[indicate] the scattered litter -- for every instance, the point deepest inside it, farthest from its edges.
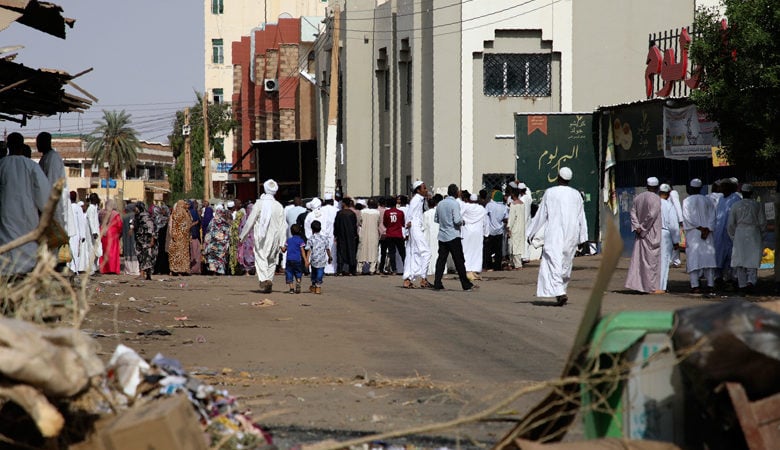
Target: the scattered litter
(282, 319)
(263, 303)
(181, 318)
(106, 282)
(131, 299)
(158, 298)
(200, 339)
(98, 289)
(182, 285)
(157, 332)
(143, 310)
(106, 304)
(128, 368)
(305, 304)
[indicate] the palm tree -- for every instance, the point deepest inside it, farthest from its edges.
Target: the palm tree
(113, 142)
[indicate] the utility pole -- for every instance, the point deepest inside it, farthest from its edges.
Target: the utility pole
(187, 152)
(331, 146)
(206, 149)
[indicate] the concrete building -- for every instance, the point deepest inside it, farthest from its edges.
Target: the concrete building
(147, 181)
(429, 89)
(226, 22)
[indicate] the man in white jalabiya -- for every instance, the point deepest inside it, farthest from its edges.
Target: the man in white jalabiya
(269, 227)
(516, 228)
(93, 234)
(670, 234)
(418, 254)
(746, 223)
(699, 222)
(316, 214)
(561, 217)
(329, 211)
(431, 229)
(473, 231)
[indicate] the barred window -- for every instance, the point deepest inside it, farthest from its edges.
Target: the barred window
(217, 7)
(517, 75)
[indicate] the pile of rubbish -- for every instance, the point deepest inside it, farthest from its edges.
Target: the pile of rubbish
(61, 395)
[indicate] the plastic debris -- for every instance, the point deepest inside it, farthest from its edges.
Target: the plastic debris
(127, 368)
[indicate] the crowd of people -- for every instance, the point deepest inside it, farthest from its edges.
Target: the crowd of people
(415, 237)
(722, 231)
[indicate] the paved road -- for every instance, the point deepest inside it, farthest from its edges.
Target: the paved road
(366, 354)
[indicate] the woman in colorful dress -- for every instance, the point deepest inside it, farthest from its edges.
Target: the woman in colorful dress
(112, 235)
(179, 232)
(145, 241)
(217, 242)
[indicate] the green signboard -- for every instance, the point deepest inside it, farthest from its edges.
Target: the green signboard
(547, 142)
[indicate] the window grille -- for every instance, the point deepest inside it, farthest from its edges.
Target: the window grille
(217, 7)
(517, 75)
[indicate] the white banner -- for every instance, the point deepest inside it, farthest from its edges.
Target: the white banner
(687, 133)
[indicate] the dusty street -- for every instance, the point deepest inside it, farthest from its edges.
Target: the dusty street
(366, 355)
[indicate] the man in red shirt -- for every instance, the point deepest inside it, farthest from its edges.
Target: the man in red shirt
(394, 221)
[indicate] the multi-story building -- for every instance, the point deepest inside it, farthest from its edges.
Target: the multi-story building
(146, 181)
(226, 22)
(429, 90)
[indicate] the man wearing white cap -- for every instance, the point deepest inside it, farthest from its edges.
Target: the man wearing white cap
(723, 243)
(644, 271)
(269, 227)
(516, 229)
(418, 254)
(473, 232)
(528, 200)
(327, 221)
(561, 217)
(670, 234)
(746, 223)
(698, 222)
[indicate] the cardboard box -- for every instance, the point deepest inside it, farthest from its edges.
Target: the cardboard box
(167, 424)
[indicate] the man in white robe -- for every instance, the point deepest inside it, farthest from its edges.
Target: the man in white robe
(528, 200)
(561, 217)
(329, 212)
(94, 233)
(431, 229)
(746, 223)
(85, 242)
(268, 225)
(674, 199)
(75, 232)
(473, 231)
(670, 234)
(418, 254)
(699, 222)
(516, 229)
(24, 191)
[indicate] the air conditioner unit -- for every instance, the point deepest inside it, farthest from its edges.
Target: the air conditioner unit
(271, 85)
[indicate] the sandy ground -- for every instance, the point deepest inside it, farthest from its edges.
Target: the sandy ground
(366, 355)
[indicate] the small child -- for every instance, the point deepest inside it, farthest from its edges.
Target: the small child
(319, 254)
(296, 258)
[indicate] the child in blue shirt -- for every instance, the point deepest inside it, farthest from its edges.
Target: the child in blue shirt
(296, 258)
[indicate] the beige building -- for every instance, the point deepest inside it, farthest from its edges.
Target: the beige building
(147, 181)
(226, 21)
(429, 89)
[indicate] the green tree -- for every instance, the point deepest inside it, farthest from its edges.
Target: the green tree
(220, 124)
(740, 69)
(115, 142)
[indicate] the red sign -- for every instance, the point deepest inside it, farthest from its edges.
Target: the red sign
(537, 123)
(669, 68)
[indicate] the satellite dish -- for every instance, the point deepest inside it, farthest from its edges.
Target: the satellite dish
(285, 15)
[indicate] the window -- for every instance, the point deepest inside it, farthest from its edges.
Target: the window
(217, 7)
(217, 52)
(219, 95)
(517, 75)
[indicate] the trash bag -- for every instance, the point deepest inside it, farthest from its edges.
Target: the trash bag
(734, 341)
(741, 343)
